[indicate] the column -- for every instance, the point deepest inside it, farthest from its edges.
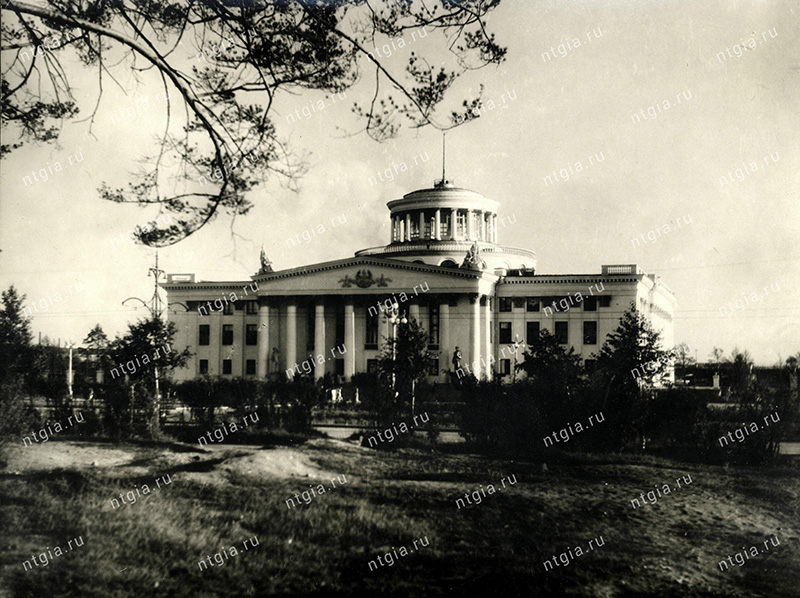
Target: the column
(437, 225)
(444, 333)
(453, 220)
(494, 228)
(475, 336)
(483, 226)
(422, 224)
(319, 340)
(413, 311)
(408, 226)
(470, 224)
(263, 340)
(488, 335)
(291, 337)
(349, 340)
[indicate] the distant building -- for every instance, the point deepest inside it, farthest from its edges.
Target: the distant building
(444, 267)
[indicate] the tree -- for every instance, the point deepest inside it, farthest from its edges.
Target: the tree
(551, 366)
(629, 362)
(554, 378)
(144, 354)
(15, 335)
(147, 346)
(683, 360)
(683, 356)
(405, 362)
(247, 54)
(96, 349)
(717, 355)
(16, 417)
(741, 377)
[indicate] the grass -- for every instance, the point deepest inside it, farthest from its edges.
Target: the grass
(152, 547)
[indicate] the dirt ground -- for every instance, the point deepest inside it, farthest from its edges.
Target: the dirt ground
(212, 462)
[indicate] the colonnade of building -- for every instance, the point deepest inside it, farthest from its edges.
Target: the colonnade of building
(475, 351)
(444, 224)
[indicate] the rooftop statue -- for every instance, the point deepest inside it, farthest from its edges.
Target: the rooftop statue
(266, 264)
(472, 260)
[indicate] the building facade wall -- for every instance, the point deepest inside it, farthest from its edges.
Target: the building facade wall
(482, 348)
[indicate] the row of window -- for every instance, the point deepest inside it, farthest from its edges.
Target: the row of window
(227, 367)
(250, 334)
(429, 225)
(536, 303)
(249, 307)
(371, 341)
(561, 333)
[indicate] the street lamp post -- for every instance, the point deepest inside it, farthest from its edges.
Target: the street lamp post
(155, 313)
(395, 318)
(69, 371)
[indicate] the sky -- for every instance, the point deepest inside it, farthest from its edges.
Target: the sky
(670, 133)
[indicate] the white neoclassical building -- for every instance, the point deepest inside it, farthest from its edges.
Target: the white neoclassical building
(444, 266)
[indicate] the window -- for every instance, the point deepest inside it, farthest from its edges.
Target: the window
(505, 333)
(444, 226)
(505, 303)
(227, 309)
(203, 366)
(433, 325)
(519, 302)
(371, 340)
(504, 367)
(227, 334)
(461, 226)
(251, 335)
(533, 304)
(227, 366)
(205, 333)
(433, 367)
(562, 331)
(251, 308)
(605, 301)
(532, 330)
(250, 367)
(415, 226)
(338, 365)
(590, 304)
(429, 224)
(372, 366)
(590, 333)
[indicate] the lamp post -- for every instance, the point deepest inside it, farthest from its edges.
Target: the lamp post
(155, 313)
(395, 318)
(69, 371)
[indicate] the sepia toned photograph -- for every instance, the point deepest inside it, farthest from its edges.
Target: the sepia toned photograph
(343, 298)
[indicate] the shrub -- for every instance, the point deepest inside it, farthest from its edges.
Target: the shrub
(17, 417)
